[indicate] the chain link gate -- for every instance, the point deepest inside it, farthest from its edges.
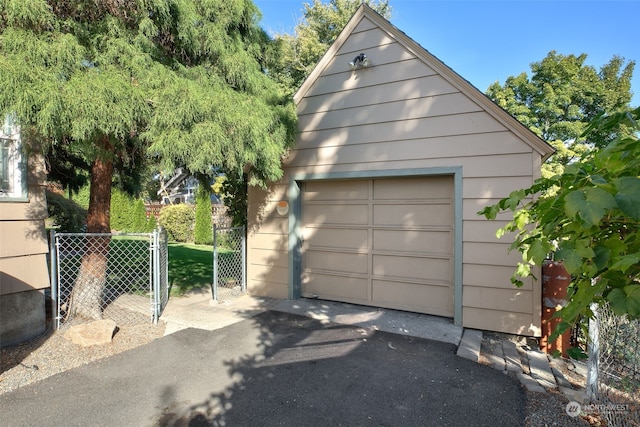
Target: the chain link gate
(118, 276)
(229, 263)
(613, 367)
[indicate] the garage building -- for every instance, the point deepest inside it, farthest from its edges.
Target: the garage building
(378, 206)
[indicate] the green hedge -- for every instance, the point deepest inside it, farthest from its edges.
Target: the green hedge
(127, 214)
(203, 234)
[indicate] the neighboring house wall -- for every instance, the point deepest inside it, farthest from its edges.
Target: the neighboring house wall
(406, 114)
(23, 253)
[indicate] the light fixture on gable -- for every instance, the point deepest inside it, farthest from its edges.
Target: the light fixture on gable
(360, 61)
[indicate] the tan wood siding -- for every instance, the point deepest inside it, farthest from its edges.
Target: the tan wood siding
(21, 238)
(388, 92)
(23, 273)
(365, 40)
(491, 276)
(433, 106)
(500, 320)
(518, 300)
(384, 55)
(267, 238)
(35, 208)
(405, 70)
(429, 127)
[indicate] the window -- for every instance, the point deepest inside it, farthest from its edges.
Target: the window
(13, 170)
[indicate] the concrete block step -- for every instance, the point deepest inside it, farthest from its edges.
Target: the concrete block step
(540, 369)
(470, 343)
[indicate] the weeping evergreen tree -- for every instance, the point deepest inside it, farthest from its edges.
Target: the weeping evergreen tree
(112, 82)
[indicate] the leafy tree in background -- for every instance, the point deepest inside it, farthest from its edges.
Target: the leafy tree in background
(592, 222)
(102, 80)
(233, 193)
(322, 23)
(560, 99)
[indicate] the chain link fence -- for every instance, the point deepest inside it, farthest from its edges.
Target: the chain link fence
(613, 379)
(229, 263)
(122, 277)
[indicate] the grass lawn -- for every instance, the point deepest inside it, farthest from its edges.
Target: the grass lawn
(190, 267)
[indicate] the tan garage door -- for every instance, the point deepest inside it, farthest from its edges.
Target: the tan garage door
(384, 242)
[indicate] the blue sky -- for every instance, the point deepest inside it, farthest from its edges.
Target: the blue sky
(487, 41)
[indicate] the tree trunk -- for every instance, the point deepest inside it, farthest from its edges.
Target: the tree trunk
(86, 298)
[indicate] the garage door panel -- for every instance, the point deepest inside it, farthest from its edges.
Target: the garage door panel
(413, 215)
(413, 268)
(336, 190)
(342, 238)
(339, 288)
(414, 297)
(413, 241)
(418, 188)
(336, 214)
(385, 242)
(337, 261)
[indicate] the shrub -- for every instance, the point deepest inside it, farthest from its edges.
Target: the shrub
(178, 221)
(151, 224)
(203, 234)
(66, 215)
(121, 211)
(139, 217)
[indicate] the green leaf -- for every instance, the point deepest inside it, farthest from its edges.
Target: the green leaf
(625, 301)
(523, 270)
(590, 204)
(597, 179)
(538, 251)
(576, 353)
(513, 200)
(628, 196)
(602, 255)
(571, 260)
(584, 249)
(625, 262)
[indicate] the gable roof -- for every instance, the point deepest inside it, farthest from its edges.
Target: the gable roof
(453, 78)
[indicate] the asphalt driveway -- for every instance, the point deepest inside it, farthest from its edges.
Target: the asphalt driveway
(274, 369)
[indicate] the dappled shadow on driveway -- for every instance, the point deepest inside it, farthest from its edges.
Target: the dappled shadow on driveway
(306, 372)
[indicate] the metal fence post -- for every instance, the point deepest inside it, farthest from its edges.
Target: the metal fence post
(244, 259)
(214, 283)
(155, 268)
(53, 272)
(165, 263)
(593, 347)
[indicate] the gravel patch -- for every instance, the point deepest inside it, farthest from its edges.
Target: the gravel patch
(53, 353)
(549, 409)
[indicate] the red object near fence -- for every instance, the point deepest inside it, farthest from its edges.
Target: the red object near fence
(555, 281)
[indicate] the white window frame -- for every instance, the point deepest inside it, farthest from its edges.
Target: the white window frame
(13, 164)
